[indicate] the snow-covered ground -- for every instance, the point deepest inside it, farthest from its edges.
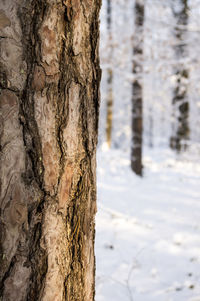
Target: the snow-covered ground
(148, 229)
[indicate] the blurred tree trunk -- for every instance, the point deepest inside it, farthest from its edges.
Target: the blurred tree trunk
(180, 101)
(137, 127)
(49, 100)
(109, 103)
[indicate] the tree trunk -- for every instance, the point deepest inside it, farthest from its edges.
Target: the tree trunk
(109, 99)
(180, 101)
(137, 127)
(49, 81)
(109, 115)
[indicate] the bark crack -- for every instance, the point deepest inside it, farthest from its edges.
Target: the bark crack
(7, 274)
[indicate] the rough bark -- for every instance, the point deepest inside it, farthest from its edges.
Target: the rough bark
(178, 140)
(137, 97)
(49, 100)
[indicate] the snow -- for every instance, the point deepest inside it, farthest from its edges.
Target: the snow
(147, 229)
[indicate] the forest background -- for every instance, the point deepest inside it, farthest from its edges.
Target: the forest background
(148, 241)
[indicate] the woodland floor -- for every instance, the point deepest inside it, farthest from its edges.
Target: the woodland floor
(148, 229)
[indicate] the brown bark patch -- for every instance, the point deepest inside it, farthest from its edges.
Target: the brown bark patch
(65, 185)
(38, 83)
(8, 98)
(50, 161)
(4, 21)
(49, 47)
(51, 70)
(50, 37)
(17, 213)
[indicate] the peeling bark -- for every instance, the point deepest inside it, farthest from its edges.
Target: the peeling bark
(49, 104)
